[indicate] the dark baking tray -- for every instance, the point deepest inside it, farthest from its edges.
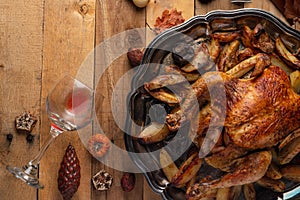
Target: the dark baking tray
(139, 101)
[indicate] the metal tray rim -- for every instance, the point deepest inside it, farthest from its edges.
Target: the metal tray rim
(189, 23)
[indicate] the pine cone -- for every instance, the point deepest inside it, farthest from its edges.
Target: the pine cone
(69, 174)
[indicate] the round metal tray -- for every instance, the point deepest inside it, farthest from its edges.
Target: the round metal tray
(140, 102)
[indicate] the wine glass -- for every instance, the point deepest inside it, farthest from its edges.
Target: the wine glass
(69, 107)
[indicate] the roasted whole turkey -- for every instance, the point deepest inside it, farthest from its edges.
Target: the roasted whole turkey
(237, 92)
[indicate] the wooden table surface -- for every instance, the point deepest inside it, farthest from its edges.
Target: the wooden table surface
(40, 41)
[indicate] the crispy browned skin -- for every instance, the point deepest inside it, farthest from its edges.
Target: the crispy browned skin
(260, 112)
(249, 169)
(263, 111)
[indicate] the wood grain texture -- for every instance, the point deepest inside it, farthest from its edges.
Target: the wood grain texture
(68, 39)
(266, 5)
(203, 8)
(40, 42)
(112, 19)
(20, 85)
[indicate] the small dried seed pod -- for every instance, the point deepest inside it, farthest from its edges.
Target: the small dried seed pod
(102, 180)
(9, 137)
(29, 138)
(25, 123)
(69, 174)
(128, 181)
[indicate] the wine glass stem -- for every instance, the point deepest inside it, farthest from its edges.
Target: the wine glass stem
(54, 132)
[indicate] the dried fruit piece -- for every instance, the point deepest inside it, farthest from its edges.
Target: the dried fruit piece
(135, 56)
(128, 181)
(168, 20)
(98, 145)
(25, 123)
(102, 180)
(69, 174)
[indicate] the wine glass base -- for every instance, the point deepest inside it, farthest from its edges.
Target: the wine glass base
(21, 174)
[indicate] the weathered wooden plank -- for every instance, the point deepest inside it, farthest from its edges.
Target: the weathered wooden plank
(156, 7)
(149, 194)
(20, 84)
(266, 5)
(68, 39)
(203, 8)
(112, 19)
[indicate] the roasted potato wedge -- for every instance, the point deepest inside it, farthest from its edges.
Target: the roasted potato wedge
(214, 49)
(155, 132)
(232, 193)
(187, 170)
(275, 185)
(287, 153)
(292, 60)
(168, 166)
(247, 35)
(291, 172)
(191, 182)
(259, 61)
(275, 60)
(173, 69)
(295, 80)
(228, 56)
(289, 138)
(189, 68)
(165, 96)
(249, 192)
(273, 172)
(164, 81)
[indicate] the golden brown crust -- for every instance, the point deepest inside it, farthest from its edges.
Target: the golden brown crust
(265, 111)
